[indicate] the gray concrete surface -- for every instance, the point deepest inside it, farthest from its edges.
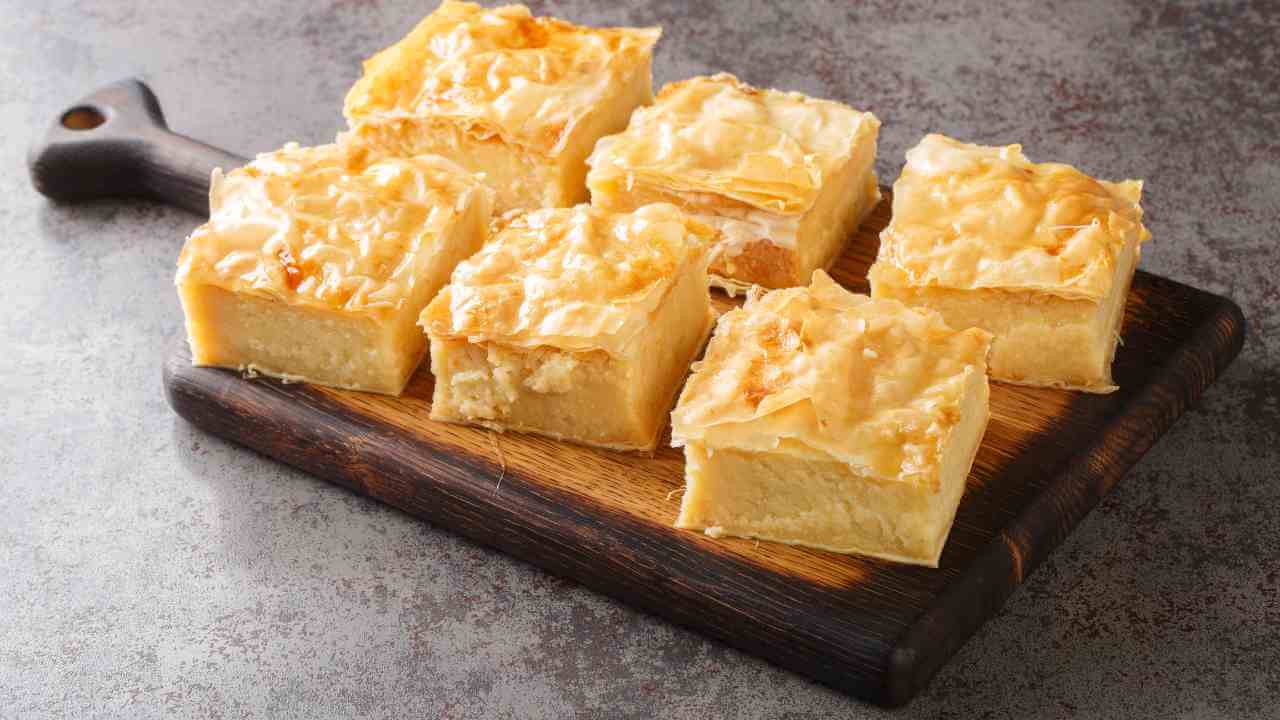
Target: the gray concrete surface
(150, 570)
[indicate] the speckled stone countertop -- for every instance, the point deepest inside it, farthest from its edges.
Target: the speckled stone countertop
(150, 570)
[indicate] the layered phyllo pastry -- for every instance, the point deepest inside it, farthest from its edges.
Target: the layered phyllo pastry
(316, 262)
(575, 323)
(521, 99)
(832, 420)
(785, 178)
(1038, 254)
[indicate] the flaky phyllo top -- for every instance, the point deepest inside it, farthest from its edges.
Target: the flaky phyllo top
(327, 226)
(498, 73)
(577, 278)
(969, 216)
(821, 372)
(766, 149)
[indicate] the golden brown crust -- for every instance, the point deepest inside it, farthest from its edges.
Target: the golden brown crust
(767, 149)
(820, 370)
(499, 73)
(757, 262)
(769, 170)
(571, 278)
(329, 226)
(968, 216)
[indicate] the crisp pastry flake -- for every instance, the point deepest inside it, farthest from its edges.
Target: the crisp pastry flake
(575, 278)
(499, 73)
(766, 149)
(821, 370)
(328, 226)
(970, 216)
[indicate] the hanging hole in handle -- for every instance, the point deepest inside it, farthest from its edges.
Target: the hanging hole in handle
(82, 118)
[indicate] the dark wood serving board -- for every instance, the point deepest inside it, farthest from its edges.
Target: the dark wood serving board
(875, 629)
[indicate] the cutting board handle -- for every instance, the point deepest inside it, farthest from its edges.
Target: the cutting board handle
(115, 143)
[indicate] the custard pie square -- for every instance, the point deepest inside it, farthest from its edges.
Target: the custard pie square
(785, 178)
(575, 323)
(832, 420)
(1038, 254)
(316, 262)
(521, 99)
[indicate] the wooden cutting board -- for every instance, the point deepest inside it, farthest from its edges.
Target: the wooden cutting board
(871, 628)
(875, 629)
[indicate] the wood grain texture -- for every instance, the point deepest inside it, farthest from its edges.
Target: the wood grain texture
(875, 629)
